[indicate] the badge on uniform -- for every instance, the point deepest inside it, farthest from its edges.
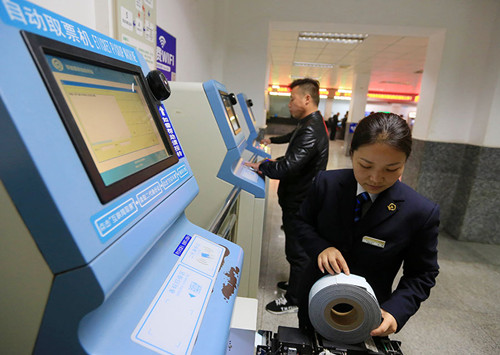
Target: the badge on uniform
(373, 241)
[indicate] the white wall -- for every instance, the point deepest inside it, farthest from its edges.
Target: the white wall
(460, 52)
(340, 106)
(82, 11)
(194, 25)
(397, 108)
(488, 108)
(492, 134)
(460, 82)
(430, 76)
(192, 22)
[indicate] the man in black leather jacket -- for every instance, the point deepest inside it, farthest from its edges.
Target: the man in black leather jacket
(306, 155)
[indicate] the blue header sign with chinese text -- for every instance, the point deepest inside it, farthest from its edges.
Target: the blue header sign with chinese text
(27, 16)
(165, 53)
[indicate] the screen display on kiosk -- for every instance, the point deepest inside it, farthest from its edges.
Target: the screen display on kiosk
(233, 119)
(109, 113)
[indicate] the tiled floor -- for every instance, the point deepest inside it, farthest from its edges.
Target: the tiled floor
(462, 315)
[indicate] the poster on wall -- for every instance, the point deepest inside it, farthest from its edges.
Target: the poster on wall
(136, 26)
(165, 53)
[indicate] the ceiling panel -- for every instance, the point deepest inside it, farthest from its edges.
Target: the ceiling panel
(393, 61)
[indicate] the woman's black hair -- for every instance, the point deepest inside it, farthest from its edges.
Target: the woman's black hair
(380, 127)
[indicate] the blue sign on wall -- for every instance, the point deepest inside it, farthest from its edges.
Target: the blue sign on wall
(352, 127)
(165, 53)
(36, 19)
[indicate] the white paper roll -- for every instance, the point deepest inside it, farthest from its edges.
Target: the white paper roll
(343, 308)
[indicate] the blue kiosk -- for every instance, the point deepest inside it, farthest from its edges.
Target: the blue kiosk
(97, 255)
(213, 140)
(253, 137)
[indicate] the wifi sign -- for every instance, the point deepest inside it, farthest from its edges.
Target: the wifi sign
(165, 53)
(162, 41)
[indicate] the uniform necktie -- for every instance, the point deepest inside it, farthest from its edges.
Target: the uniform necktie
(360, 200)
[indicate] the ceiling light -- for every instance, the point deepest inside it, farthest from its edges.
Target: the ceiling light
(347, 38)
(394, 82)
(293, 77)
(315, 65)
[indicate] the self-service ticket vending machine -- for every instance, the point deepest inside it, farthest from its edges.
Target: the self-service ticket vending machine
(253, 137)
(96, 253)
(206, 122)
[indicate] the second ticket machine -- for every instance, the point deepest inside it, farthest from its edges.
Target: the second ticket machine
(253, 137)
(205, 119)
(96, 253)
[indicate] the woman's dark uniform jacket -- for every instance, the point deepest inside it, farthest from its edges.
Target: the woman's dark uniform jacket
(405, 220)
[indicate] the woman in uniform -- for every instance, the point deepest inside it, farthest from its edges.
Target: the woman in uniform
(366, 222)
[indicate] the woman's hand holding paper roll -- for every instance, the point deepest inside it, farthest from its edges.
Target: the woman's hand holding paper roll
(332, 261)
(388, 325)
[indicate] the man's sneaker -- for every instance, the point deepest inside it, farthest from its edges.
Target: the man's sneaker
(281, 306)
(283, 285)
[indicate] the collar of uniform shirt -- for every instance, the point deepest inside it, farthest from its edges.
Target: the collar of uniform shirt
(361, 190)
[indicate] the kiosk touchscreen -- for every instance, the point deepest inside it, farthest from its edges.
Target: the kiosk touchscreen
(213, 140)
(97, 255)
(253, 137)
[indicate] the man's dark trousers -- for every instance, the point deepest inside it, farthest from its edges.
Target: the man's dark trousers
(295, 254)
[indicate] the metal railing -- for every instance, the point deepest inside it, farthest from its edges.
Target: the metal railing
(232, 198)
(221, 216)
